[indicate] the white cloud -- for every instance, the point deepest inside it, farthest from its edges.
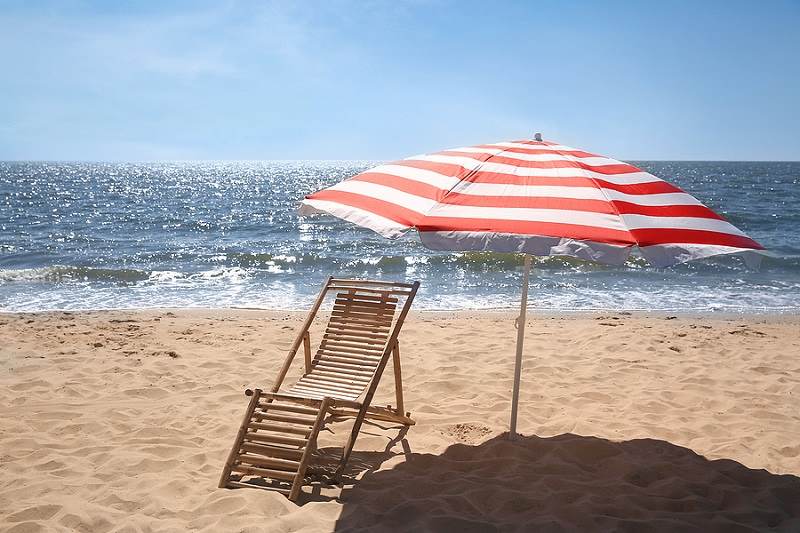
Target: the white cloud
(222, 40)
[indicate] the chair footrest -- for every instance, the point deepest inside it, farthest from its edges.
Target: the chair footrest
(274, 444)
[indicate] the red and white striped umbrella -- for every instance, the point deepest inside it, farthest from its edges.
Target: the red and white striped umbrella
(536, 197)
(533, 197)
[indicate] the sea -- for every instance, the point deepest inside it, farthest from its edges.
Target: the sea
(87, 236)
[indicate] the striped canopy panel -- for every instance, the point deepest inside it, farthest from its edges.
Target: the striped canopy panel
(536, 197)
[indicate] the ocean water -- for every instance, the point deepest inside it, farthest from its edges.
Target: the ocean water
(227, 234)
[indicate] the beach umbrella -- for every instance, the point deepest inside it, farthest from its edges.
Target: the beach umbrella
(533, 197)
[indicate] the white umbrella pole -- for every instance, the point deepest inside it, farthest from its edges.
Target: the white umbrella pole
(523, 308)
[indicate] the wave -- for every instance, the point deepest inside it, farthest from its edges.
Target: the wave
(786, 260)
(61, 273)
(482, 261)
(237, 266)
(67, 274)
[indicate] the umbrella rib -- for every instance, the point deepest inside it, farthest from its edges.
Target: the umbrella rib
(603, 192)
(469, 173)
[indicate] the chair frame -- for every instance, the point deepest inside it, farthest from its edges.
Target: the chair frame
(339, 408)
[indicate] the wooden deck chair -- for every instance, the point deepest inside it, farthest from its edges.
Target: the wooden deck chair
(279, 431)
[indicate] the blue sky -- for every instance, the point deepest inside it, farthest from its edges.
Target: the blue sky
(384, 80)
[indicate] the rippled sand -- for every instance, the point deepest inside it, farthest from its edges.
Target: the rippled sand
(121, 421)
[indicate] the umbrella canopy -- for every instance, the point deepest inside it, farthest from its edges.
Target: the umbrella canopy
(535, 197)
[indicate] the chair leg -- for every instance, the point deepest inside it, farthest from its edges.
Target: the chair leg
(351, 442)
(297, 484)
(398, 379)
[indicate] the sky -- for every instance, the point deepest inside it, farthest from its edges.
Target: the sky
(381, 80)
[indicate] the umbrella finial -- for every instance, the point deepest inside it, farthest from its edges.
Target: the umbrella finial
(537, 137)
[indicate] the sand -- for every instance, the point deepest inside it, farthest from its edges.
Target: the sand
(121, 421)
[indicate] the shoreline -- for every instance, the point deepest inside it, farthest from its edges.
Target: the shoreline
(771, 314)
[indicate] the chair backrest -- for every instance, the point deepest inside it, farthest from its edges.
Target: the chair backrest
(358, 339)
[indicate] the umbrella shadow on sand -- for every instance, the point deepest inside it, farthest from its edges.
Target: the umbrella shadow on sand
(567, 483)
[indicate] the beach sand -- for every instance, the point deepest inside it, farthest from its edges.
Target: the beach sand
(121, 421)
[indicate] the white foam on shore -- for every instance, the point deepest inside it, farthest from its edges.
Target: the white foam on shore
(231, 288)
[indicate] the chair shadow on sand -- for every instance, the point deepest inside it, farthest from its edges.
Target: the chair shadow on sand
(563, 483)
(360, 464)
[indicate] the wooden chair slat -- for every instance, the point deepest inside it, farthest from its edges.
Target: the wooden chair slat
(367, 303)
(264, 472)
(357, 343)
(270, 462)
(367, 361)
(299, 409)
(353, 337)
(336, 326)
(364, 307)
(331, 390)
(318, 383)
(242, 485)
(339, 374)
(328, 364)
(325, 391)
(272, 417)
(275, 439)
(352, 319)
(340, 384)
(331, 346)
(281, 428)
(273, 451)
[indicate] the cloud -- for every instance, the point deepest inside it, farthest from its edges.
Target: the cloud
(221, 40)
(92, 83)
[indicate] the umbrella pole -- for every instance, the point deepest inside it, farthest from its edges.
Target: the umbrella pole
(523, 308)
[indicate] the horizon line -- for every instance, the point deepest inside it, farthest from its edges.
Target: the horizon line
(358, 160)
